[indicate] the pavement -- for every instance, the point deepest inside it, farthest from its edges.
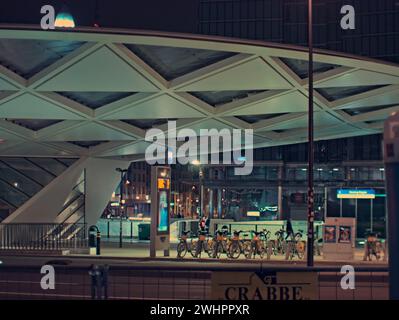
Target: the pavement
(137, 254)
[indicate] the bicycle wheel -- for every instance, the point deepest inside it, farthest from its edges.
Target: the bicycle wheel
(261, 250)
(274, 247)
(300, 249)
(193, 248)
(246, 245)
(282, 247)
(217, 250)
(234, 250)
(210, 248)
(225, 248)
(198, 249)
(181, 250)
(248, 250)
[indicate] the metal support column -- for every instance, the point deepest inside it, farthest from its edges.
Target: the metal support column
(219, 203)
(310, 238)
(280, 201)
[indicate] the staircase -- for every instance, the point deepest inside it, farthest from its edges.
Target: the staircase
(22, 178)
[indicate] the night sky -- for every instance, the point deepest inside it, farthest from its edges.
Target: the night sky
(164, 15)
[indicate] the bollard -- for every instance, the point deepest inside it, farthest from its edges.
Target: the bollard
(94, 240)
(98, 243)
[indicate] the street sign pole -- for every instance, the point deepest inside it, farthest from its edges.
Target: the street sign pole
(391, 159)
(310, 240)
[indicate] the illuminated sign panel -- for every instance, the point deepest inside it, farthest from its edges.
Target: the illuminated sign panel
(163, 183)
(253, 213)
(356, 194)
(163, 188)
(160, 208)
(163, 217)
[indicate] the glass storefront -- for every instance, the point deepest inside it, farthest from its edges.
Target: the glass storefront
(284, 186)
(277, 186)
(370, 214)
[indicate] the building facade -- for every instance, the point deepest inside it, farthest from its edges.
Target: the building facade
(100, 122)
(277, 185)
(376, 33)
(344, 163)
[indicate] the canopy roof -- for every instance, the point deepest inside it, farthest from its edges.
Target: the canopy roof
(95, 91)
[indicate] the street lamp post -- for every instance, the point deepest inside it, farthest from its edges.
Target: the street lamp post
(310, 239)
(201, 188)
(121, 204)
(201, 174)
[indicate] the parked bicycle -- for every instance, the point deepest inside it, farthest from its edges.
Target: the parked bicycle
(237, 245)
(373, 247)
(201, 245)
(297, 246)
(278, 245)
(183, 246)
(220, 244)
(256, 246)
(265, 237)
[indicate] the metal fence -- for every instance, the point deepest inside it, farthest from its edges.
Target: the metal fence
(174, 283)
(31, 236)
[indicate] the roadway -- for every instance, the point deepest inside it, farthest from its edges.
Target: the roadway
(163, 279)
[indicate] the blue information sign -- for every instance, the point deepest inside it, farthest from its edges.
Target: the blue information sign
(356, 194)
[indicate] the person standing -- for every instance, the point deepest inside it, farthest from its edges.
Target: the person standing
(289, 230)
(202, 223)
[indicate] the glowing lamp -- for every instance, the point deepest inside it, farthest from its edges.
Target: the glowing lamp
(64, 20)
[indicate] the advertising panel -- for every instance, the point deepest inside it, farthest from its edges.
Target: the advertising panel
(339, 238)
(163, 217)
(265, 286)
(160, 208)
(330, 234)
(345, 233)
